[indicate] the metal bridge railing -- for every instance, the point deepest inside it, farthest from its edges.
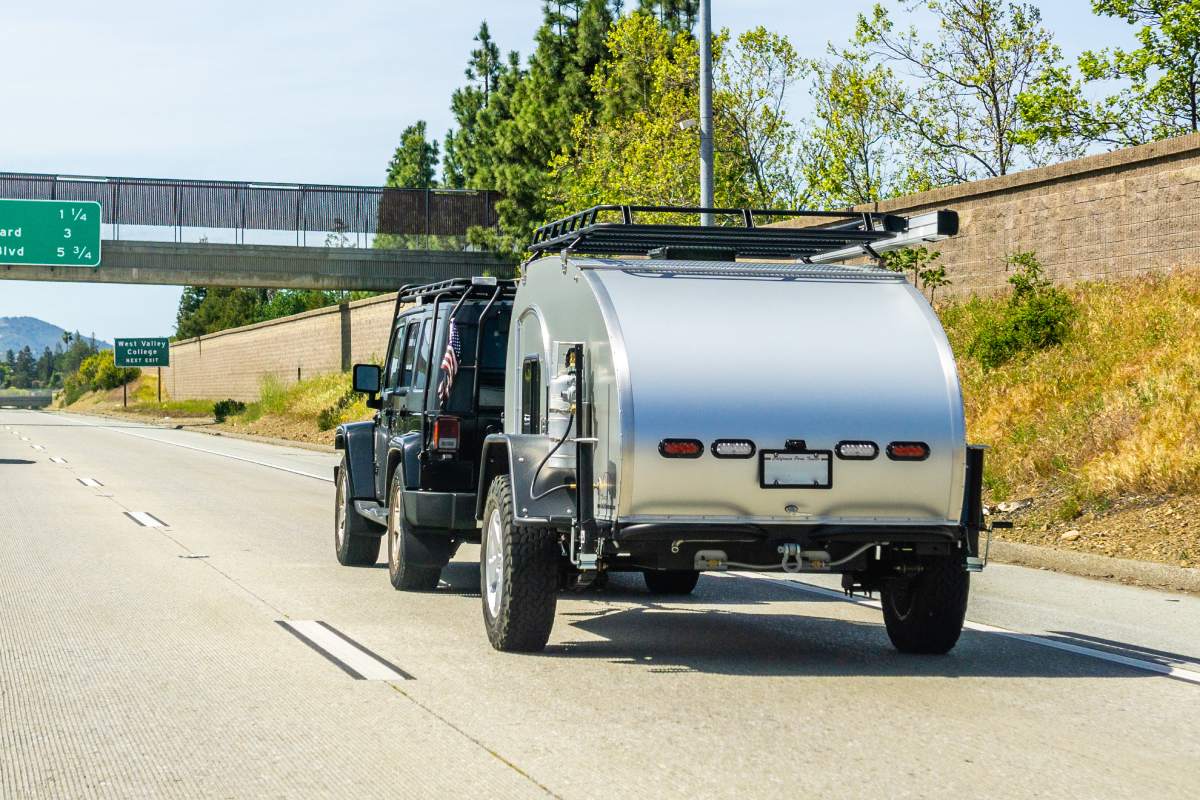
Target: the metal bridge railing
(303, 208)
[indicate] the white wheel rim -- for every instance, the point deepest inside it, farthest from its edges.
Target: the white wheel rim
(340, 527)
(494, 567)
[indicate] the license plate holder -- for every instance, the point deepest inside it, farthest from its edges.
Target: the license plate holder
(795, 469)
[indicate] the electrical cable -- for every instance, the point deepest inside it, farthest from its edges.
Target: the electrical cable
(537, 472)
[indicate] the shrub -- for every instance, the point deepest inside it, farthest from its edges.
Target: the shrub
(99, 371)
(223, 409)
(919, 263)
(1038, 315)
(329, 418)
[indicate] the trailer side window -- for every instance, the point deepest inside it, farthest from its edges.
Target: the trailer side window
(531, 393)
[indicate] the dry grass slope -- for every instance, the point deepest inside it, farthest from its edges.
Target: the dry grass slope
(1102, 432)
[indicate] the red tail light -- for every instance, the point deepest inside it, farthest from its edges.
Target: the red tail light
(908, 451)
(680, 448)
(445, 433)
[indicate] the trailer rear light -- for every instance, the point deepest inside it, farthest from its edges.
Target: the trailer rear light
(681, 448)
(857, 451)
(445, 433)
(733, 448)
(908, 451)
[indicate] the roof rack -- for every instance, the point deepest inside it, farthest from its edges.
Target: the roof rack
(454, 287)
(849, 235)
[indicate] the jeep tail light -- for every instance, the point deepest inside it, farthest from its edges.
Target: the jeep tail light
(681, 448)
(857, 451)
(445, 433)
(733, 448)
(908, 451)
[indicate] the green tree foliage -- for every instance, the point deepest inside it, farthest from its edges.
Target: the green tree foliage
(641, 144)
(1160, 81)
(962, 110)
(855, 150)
(22, 370)
(414, 164)
(677, 16)
(463, 148)
(97, 372)
(753, 79)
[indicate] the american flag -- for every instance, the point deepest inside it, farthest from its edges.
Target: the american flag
(450, 363)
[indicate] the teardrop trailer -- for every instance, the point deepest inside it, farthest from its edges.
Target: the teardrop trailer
(731, 397)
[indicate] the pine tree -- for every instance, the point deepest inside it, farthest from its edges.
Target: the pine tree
(414, 164)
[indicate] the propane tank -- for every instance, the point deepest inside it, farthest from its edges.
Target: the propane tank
(560, 408)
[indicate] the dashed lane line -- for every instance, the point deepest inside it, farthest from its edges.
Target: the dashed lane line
(37, 447)
(91, 483)
(118, 429)
(348, 655)
(145, 519)
(57, 460)
(1166, 670)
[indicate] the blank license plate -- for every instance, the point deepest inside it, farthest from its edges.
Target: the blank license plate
(806, 469)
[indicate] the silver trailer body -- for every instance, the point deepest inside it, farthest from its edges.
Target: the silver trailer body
(766, 352)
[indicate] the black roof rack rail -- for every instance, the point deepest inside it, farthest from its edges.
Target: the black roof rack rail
(851, 232)
(456, 286)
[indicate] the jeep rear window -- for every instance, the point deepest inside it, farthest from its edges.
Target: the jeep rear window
(492, 355)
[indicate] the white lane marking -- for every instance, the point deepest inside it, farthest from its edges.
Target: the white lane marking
(90, 482)
(354, 659)
(118, 429)
(1191, 676)
(37, 447)
(24, 438)
(146, 519)
(58, 460)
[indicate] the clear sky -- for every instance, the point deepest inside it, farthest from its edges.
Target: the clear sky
(280, 90)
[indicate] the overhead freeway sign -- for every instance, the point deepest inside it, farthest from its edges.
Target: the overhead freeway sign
(51, 233)
(142, 352)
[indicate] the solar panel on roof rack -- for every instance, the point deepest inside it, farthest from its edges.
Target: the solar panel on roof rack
(585, 232)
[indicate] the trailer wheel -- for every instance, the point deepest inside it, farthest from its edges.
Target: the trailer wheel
(925, 615)
(413, 564)
(355, 541)
(518, 576)
(671, 581)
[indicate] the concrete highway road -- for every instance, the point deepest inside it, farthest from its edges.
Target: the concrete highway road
(173, 624)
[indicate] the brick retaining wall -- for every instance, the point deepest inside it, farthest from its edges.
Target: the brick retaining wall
(1115, 215)
(232, 363)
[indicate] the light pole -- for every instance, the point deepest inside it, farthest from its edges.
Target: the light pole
(706, 112)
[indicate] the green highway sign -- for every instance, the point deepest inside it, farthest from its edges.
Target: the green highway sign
(50, 233)
(142, 352)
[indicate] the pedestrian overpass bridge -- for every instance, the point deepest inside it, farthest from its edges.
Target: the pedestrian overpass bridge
(306, 236)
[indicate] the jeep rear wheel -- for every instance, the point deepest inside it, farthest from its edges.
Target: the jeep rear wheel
(414, 565)
(355, 541)
(925, 614)
(518, 576)
(671, 581)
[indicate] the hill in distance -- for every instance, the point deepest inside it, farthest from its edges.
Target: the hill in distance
(16, 332)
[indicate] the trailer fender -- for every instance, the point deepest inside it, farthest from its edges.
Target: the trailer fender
(542, 495)
(357, 439)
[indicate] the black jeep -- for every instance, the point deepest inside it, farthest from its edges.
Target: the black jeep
(413, 470)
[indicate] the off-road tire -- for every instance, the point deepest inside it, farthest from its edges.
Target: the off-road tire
(414, 565)
(925, 615)
(355, 540)
(528, 577)
(671, 581)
